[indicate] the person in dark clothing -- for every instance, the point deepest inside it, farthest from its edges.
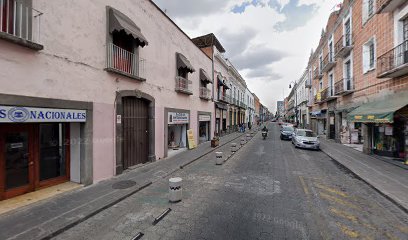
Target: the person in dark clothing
(265, 129)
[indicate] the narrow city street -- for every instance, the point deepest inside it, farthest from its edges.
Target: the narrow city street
(267, 190)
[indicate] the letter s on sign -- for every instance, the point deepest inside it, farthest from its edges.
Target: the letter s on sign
(2, 113)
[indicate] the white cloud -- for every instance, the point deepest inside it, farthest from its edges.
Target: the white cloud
(255, 28)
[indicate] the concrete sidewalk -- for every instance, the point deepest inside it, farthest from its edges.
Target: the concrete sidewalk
(388, 179)
(50, 217)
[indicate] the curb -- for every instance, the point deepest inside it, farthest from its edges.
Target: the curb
(399, 205)
(210, 151)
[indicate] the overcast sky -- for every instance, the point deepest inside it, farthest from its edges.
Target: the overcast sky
(269, 41)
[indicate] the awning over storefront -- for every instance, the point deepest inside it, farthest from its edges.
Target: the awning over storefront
(221, 106)
(204, 76)
(119, 21)
(222, 82)
(379, 111)
(182, 62)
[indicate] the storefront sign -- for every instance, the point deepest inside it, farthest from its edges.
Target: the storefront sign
(388, 131)
(204, 118)
(178, 118)
(119, 119)
(191, 140)
(9, 114)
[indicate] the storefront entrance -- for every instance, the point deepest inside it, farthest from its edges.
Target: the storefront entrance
(32, 156)
(135, 132)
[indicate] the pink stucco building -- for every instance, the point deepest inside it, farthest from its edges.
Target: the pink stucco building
(90, 88)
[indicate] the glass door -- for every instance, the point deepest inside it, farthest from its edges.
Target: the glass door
(16, 160)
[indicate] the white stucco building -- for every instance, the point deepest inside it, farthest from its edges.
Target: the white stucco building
(97, 94)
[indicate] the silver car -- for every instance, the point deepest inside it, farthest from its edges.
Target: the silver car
(305, 138)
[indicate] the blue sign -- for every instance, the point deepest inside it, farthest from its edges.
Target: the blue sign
(28, 114)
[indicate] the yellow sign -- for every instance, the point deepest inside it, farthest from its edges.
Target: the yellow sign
(319, 96)
(370, 117)
(358, 117)
(191, 140)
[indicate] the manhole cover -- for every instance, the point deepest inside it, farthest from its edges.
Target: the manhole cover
(123, 184)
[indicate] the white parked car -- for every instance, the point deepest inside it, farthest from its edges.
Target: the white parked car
(305, 138)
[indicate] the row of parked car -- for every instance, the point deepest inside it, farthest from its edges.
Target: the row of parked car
(301, 138)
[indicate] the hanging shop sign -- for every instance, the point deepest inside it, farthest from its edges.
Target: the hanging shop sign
(10, 114)
(178, 118)
(191, 140)
(204, 118)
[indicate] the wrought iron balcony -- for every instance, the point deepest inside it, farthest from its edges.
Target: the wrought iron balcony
(317, 74)
(205, 93)
(183, 86)
(224, 98)
(386, 6)
(328, 62)
(344, 86)
(394, 63)
(20, 24)
(344, 46)
(242, 105)
(126, 63)
(328, 94)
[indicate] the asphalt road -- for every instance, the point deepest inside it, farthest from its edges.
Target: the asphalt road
(267, 190)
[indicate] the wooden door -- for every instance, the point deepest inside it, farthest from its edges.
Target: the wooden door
(17, 155)
(135, 131)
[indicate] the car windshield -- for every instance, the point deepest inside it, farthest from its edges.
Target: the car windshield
(303, 133)
(288, 129)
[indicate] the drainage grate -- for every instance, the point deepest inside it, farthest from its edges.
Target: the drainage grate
(123, 184)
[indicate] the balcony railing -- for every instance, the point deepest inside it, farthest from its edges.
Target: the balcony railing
(386, 6)
(183, 85)
(317, 74)
(205, 93)
(344, 86)
(124, 62)
(394, 63)
(344, 46)
(328, 94)
(20, 23)
(224, 98)
(328, 62)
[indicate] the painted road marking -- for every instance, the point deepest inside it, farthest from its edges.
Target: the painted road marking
(339, 201)
(302, 181)
(348, 232)
(331, 190)
(343, 214)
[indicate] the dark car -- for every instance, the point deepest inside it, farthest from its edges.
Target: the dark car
(286, 133)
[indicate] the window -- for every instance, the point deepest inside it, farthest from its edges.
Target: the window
(320, 63)
(331, 84)
(320, 84)
(347, 33)
(369, 56)
(368, 9)
(405, 28)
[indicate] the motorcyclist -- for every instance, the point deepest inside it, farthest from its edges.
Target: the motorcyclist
(264, 129)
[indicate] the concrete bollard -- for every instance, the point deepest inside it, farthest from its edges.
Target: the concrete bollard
(233, 147)
(175, 189)
(248, 137)
(218, 158)
(243, 141)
